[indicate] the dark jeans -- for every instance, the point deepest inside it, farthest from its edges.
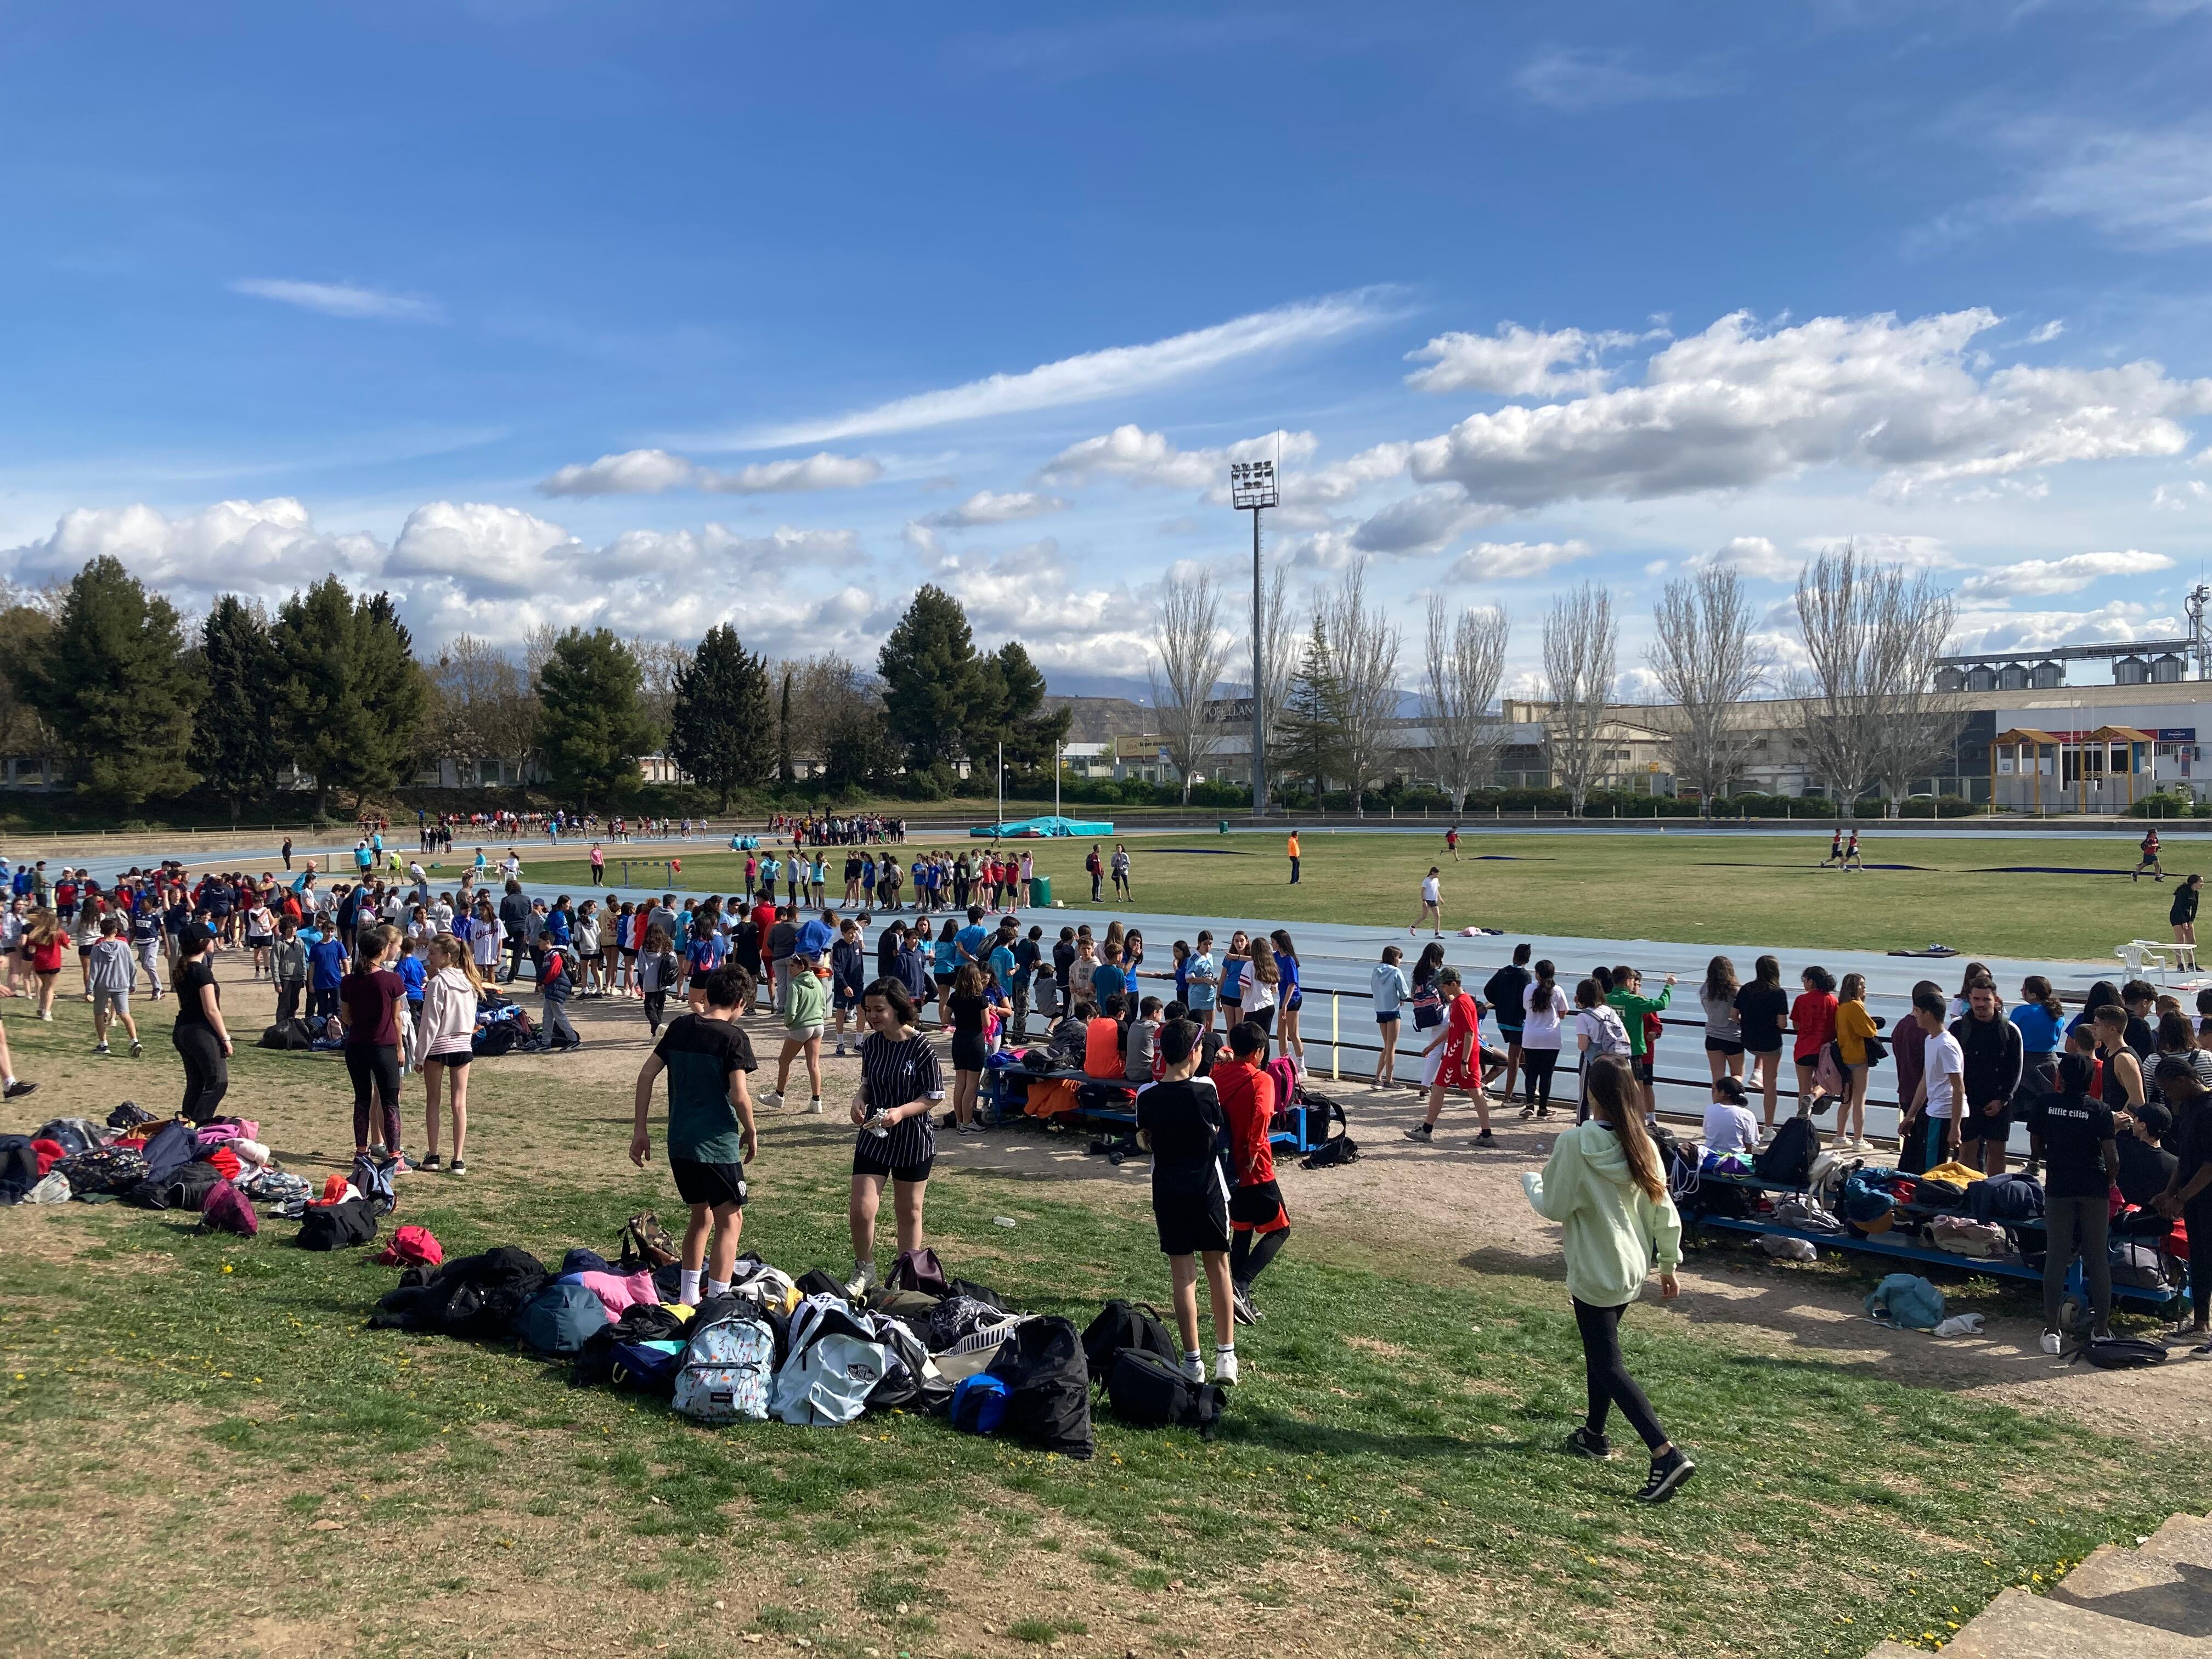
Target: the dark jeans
(2073, 1224)
(375, 1071)
(2197, 1214)
(207, 1074)
(287, 1001)
(322, 1005)
(1610, 1385)
(1294, 872)
(1537, 1065)
(654, 1002)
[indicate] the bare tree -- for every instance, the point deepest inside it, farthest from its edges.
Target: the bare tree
(1194, 652)
(1283, 646)
(1466, 660)
(1364, 645)
(1580, 637)
(1870, 710)
(658, 662)
(483, 708)
(1707, 665)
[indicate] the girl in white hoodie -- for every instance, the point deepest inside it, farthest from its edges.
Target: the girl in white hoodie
(1605, 1183)
(443, 1036)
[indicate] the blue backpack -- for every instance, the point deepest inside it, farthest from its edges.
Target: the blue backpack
(560, 1319)
(647, 1367)
(979, 1404)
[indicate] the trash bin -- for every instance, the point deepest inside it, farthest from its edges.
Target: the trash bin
(1041, 891)
(1223, 827)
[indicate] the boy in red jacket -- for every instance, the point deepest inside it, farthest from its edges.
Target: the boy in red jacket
(1256, 1215)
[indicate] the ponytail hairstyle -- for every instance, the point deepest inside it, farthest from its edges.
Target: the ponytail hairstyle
(2037, 990)
(369, 946)
(1977, 971)
(1731, 1090)
(1720, 980)
(1612, 1088)
(1766, 973)
(1820, 978)
(1545, 987)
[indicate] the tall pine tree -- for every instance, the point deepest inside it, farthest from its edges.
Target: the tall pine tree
(1009, 707)
(785, 773)
(112, 684)
(719, 723)
(929, 671)
(1314, 717)
(591, 724)
(350, 696)
(234, 747)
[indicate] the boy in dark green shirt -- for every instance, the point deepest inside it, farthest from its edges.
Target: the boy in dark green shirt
(710, 1125)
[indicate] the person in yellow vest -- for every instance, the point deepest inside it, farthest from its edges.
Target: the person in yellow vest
(1294, 858)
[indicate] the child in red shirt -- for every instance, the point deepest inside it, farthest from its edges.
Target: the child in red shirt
(1256, 1215)
(1814, 1018)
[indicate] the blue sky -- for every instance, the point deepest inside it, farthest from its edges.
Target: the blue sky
(660, 314)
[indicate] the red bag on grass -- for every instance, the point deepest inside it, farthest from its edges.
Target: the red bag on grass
(412, 1246)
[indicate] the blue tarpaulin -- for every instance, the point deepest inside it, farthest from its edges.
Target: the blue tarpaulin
(1030, 829)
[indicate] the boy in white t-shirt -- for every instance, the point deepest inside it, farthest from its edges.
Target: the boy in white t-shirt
(1942, 1084)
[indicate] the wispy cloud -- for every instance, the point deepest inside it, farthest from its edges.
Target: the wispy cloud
(988, 507)
(342, 300)
(1095, 374)
(2148, 186)
(1573, 80)
(653, 471)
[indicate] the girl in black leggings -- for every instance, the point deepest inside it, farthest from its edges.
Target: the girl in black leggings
(371, 995)
(202, 1042)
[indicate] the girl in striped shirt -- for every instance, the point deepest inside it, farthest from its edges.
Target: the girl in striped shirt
(900, 1087)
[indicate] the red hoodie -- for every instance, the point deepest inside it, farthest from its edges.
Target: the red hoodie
(1247, 1100)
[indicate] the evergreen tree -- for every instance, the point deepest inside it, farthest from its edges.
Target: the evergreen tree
(591, 724)
(785, 772)
(350, 698)
(112, 682)
(718, 724)
(232, 732)
(929, 671)
(1314, 717)
(1008, 708)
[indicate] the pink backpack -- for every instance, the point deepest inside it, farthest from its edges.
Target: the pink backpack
(226, 1210)
(1285, 1071)
(412, 1246)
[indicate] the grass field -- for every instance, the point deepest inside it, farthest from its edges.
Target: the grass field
(205, 1449)
(1765, 889)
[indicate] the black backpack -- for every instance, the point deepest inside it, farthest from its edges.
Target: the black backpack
(1149, 1392)
(1338, 1148)
(1125, 1325)
(183, 1188)
(337, 1226)
(2120, 1353)
(1787, 1160)
(1048, 1387)
(288, 1034)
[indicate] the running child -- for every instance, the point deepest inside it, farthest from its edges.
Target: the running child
(711, 1137)
(1432, 902)
(2149, 859)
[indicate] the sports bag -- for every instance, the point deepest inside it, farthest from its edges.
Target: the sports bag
(412, 1246)
(372, 1178)
(337, 1226)
(919, 1270)
(1339, 1147)
(1787, 1160)
(728, 1368)
(646, 1243)
(1048, 1386)
(287, 1034)
(647, 1367)
(2140, 1267)
(103, 1170)
(1123, 1326)
(169, 1148)
(1146, 1391)
(498, 1038)
(979, 1404)
(226, 1210)
(560, 1319)
(185, 1187)
(2119, 1354)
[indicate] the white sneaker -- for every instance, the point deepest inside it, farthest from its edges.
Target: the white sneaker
(2050, 1342)
(771, 1098)
(814, 1106)
(1224, 1365)
(862, 1281)
(1194, 1368)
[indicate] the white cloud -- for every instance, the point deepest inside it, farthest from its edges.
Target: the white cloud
(651, 471)
(1138, 457)
(1339, 479)
(1421, 522)
(1735, 406)
(1515, 562)
(1115, 372)
(2117, 622)
(341, 300)
(1573, 80)
(985, 507)
(2148, 186)
(2044, 333)
(1751, 555)
(1514, 363)
(483, 548)
(2179, 497)
(262, 548)
(2041, 578)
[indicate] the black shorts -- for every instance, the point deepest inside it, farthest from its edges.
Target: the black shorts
(1259, 1205)
(715, 1184)
(1511, 1034)
(1386, 1020)
(1262, 1017)
(1980, 1125)
(1722, 1046)
(971, 1052)
(456, 1060)
(865, 1163)
(1758, 1053)
(1639, 1067)
(1190, 1225)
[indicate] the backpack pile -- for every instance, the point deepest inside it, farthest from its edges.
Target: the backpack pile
(1048, 1386)
(1131, 1354)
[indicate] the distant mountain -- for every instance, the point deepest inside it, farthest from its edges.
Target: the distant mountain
(1099, 685)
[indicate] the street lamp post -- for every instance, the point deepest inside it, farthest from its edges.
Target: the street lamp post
(1252, 488)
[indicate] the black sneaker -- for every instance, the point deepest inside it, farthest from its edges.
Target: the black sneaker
(429, 1162)
(1240, 1300)
(1421, 1131)
(17, 1090)
(457, 1168)
(1666, 1476)
(1583, 1444)
(1486, 1139)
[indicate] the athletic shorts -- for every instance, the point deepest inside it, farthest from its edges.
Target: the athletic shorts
(867, 1163)
(1258, 1208)
(1722, 1046)
(1511, 1034)
(844, 1001)
(1979, 1126)
(456, 1060)
(708, 1184)
(971, 1052)
(1639, 1067)
(112, 1002)
(1191, 1224)
(1386, 1020)
(1489, 1056)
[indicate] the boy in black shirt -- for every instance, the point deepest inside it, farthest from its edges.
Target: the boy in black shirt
(2072, 1133)
(710, 1126)
(1179, 1122)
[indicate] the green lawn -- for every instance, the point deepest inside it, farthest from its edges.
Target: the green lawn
(196, 1428)
(1763, 889)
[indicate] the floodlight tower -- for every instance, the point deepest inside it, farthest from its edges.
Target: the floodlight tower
(1252, 490)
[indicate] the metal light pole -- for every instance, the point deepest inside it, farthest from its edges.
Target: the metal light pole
(1252, 488)
(999, 822)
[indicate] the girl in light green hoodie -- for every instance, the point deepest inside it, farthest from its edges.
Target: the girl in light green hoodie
(1605, 1184)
